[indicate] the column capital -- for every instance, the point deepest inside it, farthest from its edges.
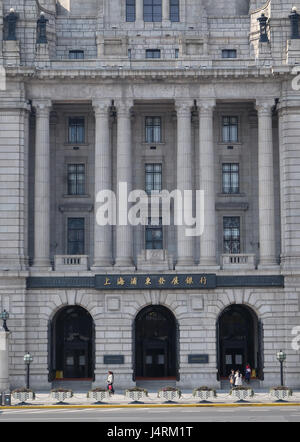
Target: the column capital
(183, 107)
(124, 107)
(264, 105)
(206, 106)
(101, 107)
(42, 106)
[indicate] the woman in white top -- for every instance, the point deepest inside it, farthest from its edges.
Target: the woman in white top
(238, 379)
(110, 382)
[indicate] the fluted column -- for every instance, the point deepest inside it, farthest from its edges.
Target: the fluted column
(124, 236)
(185, 249)
(207, 182)
(42, 185)
(266, 183)
(103, 181)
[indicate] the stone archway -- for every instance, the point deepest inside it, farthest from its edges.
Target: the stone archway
(156, 343)
(72, 342)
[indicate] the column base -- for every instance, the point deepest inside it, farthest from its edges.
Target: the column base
(125, 264)
(268, 266)
(41, 268)
(187, 263)
(208, 264)
(101, 264)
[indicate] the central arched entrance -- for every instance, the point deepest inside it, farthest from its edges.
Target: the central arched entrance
(156, 349)
(239, 340)
(72, 344)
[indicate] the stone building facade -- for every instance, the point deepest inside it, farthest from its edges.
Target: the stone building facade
(188, 94)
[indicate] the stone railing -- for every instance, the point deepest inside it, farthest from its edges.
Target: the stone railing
(71, 262)
(238, 261)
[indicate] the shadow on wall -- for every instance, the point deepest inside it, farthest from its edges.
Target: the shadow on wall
(77, 7)
(219, 8)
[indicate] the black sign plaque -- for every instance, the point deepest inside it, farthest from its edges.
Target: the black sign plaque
(113, 359)
(198, 359)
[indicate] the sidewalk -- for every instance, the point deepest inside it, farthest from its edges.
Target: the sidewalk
(119, 400)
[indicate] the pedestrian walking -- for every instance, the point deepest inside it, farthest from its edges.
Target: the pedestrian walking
(110, 382)
(248, 373)
(232, 379)
(238, 379)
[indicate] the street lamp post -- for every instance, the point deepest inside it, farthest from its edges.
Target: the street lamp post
(281, 357)
(28, 359)
(4, 316)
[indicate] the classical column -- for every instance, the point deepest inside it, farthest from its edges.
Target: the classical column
(139, 10)
(124, 236)
(42, 186)
(207, 182)
(4, 356)
(266, 183)
(185, 249)
(166, 11)
(103, 181)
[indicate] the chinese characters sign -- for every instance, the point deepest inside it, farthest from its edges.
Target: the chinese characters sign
(131, 282)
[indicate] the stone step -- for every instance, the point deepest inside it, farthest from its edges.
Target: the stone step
(153, 386)
(79, 386)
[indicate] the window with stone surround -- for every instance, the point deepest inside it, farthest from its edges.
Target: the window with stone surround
(76, 179)
(174, 11)
(229, 53)
(152, 53)
(76, 130)
(76, 55)
(231, 235)
(230, 178)
(76, 231)
(153, 129)
(130, 10)
(152, 10)
(230, 132)
(154, 234)
(153, 178)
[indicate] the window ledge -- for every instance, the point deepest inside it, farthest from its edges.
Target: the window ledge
(76, 196)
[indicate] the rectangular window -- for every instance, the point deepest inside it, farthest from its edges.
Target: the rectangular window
(152, 10)
(174, 10)
(154, 234)
(229, 53)
(152, 53)
(76, 130)
(76, 55)
(231, 235)
(153, 129)
(153, 178)
(231, 178)
(230, 129)
(130, 10)
(75, 236)
(176, 53)
(76, 179)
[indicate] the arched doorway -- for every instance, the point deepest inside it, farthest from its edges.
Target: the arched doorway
(71, 354)
(156, 337)
(240, 339)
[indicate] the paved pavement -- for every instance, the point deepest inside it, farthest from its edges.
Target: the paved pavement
(153, 417)
(223, 399)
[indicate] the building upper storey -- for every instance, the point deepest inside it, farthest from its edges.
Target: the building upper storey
(152, 33)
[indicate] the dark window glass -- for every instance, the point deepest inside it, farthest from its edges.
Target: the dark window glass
(176, 53)
(174, 10)
(152, 53)
(153, 129)
(231, 178)
(130, 10)
(231, 235)
(75, 236)
(76, 130)
(76, 179)
(229, 53)
(153, 178)
(154, 234)
(152, 10)
(76, 55)
(230, 129)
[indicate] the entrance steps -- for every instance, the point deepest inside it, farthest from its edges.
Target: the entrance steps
(254, 383)
(155, 385)
(77, 386)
